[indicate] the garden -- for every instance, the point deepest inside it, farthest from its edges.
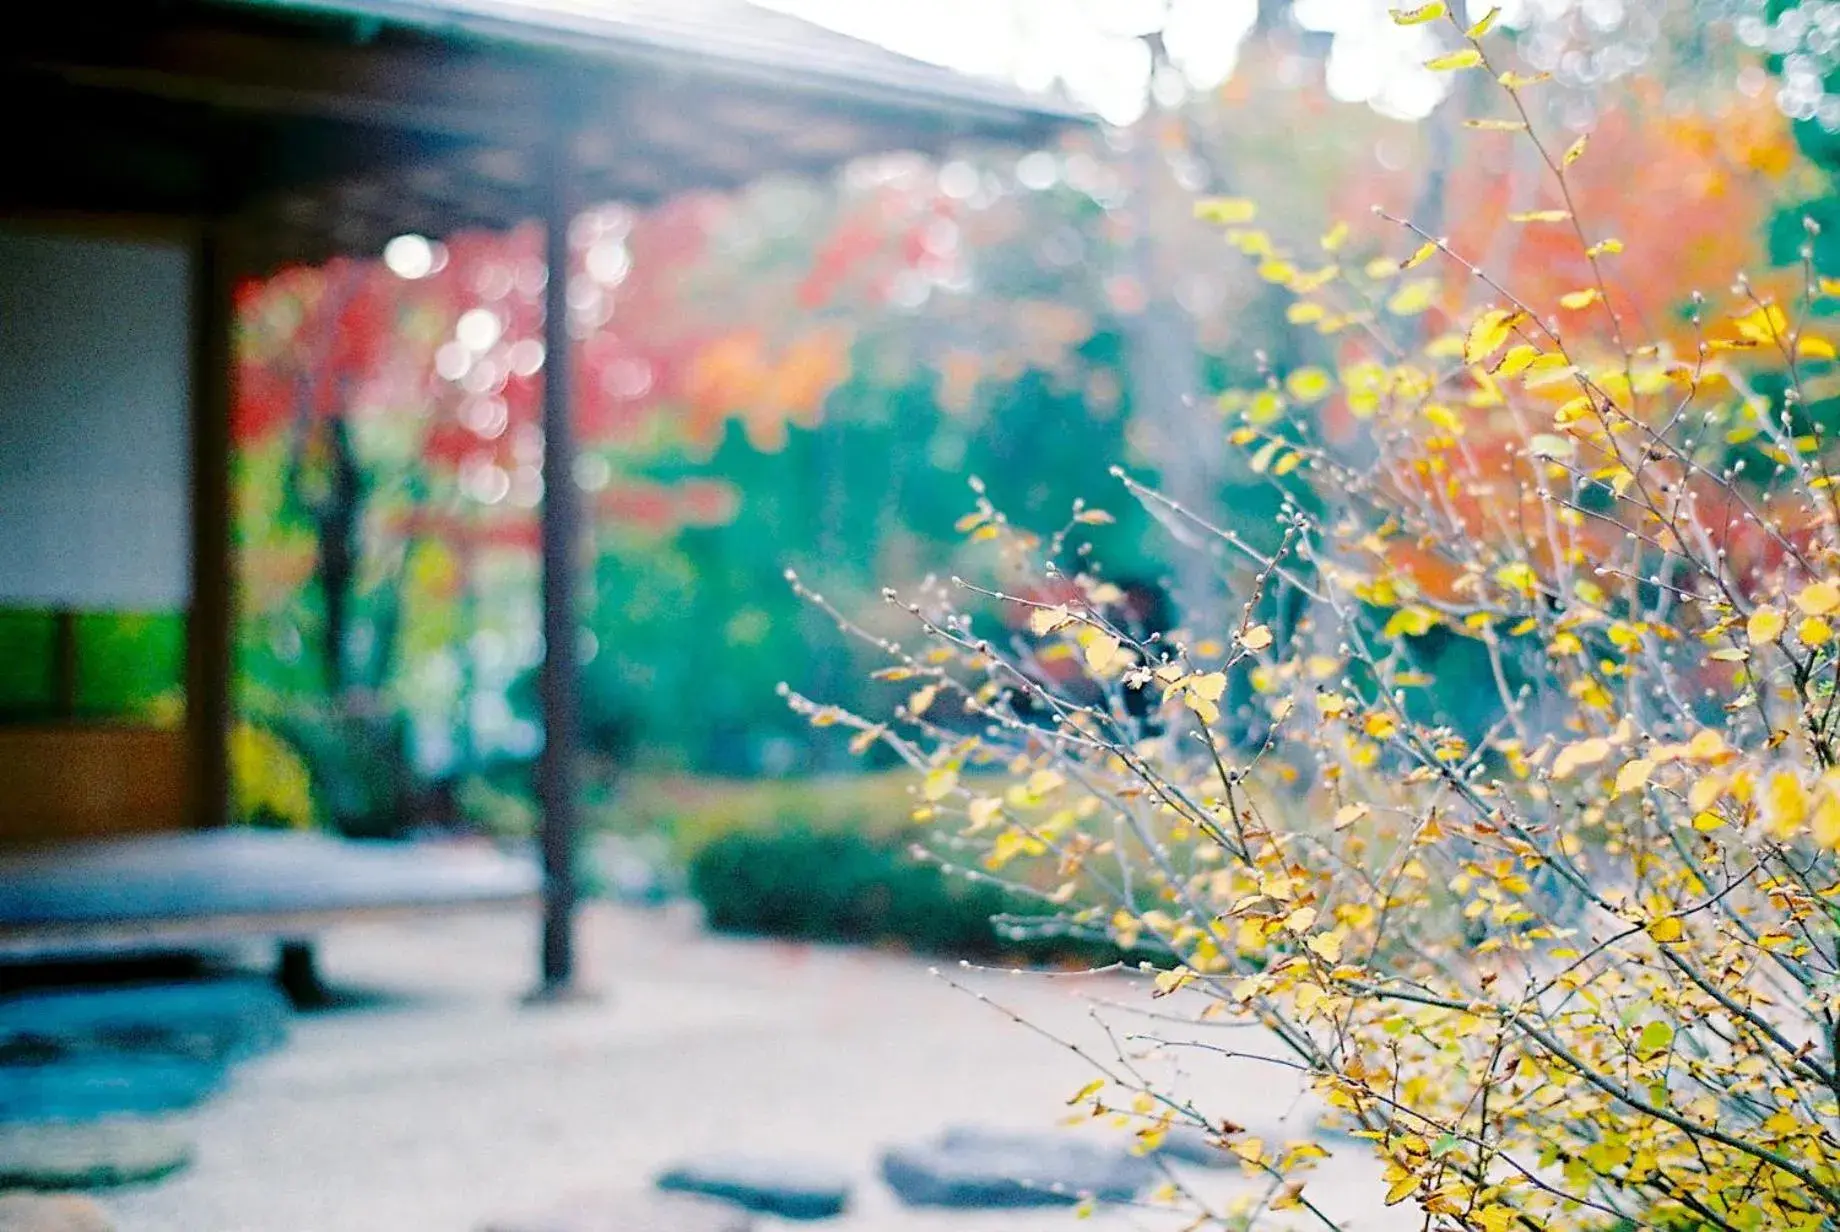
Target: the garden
(1351, 550)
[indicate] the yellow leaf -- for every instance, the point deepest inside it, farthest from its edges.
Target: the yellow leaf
(1516, 360)
(1605, 248)
(1087, 1092)
(1094, 517)
(1809, 347)
(1814, 631)
(1731, 654)
(1497, 126)
(1300, 920)
(1305, 313)
(1518, 575)
(1348, 814)
(1484, 24)
(1266, 407)
(1765, 324)
(1424, 253)
(1495, 1217)
(1277, 271)
(1666, 930)
(1541, 216)
(984, 811)
(1209, 685)
(1520, 81)
(1577, 151)
(1584, 753)
(1226, 211)
(1819, 599)
(1258, 637)
(1467, 57)
(1418, 16)
(1785, 803)
(1170, 981)
(1490, 331)
(1102, 651)
(1546, 370)
(1336, 237)
(1413, 621)
(1576, 300)
(1826, 820)
(939, 783)
(922, 699)
(1045, 620)
(1402, 1189)
(1633, 775)
(1326, 946)
(1708, 745)
(1308, 384)
(1765, 625)
(1413, 298)
(1445, 418)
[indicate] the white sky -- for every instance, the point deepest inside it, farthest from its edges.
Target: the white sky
(1092, 47)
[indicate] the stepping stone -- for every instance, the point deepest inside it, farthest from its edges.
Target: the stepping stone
(92, 1086)
(216, 1020)
(25, 1212)
(983, 1168)
(91, 1156)
(642, 1212)
(790, 1188)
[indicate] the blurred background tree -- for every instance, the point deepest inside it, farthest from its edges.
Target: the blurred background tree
(803, 375)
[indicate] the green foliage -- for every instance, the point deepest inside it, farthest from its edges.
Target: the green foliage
(847, 886)
(691, 814)
(129, 665)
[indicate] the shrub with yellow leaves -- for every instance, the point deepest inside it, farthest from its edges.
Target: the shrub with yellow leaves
(1576, 964)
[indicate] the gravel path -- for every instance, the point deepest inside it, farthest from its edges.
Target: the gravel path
(444, 1103)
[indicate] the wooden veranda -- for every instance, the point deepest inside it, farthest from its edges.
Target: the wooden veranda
(258, 133)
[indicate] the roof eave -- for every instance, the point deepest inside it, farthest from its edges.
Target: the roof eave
(979, 105)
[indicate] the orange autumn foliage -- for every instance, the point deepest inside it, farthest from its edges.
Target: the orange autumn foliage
(1706, 180)
(739, 376)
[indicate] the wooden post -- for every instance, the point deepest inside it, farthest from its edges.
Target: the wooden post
(559, 678)
(208, 622)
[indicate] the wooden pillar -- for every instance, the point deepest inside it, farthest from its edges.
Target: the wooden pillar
(208, 619)
(559, 679)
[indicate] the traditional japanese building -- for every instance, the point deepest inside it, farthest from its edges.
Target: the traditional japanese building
(161, 150)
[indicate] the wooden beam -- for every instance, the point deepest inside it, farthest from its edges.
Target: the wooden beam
(437, 92)
(559, 679)
(209, 621)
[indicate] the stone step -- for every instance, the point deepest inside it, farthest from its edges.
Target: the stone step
(980, 1168)
(217, 1020)
(120, 1151)
(789, 1188)
(93, 1086)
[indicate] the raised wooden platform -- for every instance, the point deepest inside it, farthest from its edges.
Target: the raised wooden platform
(208, 887)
